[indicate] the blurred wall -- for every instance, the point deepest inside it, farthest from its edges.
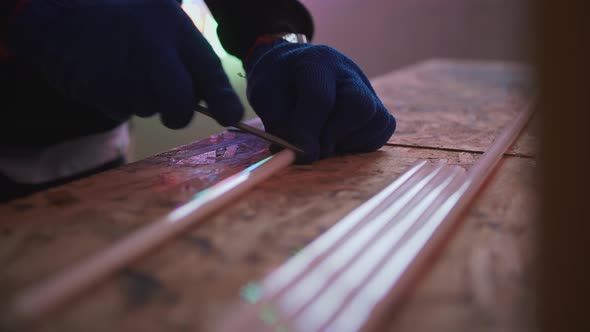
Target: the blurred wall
(383, 35)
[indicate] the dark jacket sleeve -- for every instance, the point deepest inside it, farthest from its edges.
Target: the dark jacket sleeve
(240, 22)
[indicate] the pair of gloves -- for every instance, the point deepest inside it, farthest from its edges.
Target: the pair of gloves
(130, 57)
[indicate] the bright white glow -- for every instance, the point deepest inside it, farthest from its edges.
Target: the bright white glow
(199, 13)
(193, 10)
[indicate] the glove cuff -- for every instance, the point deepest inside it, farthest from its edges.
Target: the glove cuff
(270, 40)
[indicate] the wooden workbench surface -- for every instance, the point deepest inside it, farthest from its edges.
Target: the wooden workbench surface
(445, 109)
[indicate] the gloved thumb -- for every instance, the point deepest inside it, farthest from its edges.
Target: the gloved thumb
(213, 86)
(223, 102)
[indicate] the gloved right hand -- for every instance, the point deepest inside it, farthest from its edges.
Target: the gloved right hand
(125, 57)
(316, 98)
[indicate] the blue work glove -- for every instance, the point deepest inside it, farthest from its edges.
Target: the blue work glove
(316, 98)
(125, 57)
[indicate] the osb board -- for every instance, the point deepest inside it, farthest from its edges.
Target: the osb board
(191, 281)
(459, 105)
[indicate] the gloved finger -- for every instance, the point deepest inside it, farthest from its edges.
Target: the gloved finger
(271, 101)
(173, 94)
(354, 109)
(210, 81)
(316, 94)
(359, 74)
(372, 136)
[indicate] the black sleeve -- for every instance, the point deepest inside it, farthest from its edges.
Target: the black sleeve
(240, 22)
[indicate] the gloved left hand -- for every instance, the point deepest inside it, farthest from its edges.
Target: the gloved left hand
(316, 98)
(125, 57)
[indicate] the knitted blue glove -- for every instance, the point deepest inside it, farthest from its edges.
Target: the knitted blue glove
(315, 97)
(125, 57)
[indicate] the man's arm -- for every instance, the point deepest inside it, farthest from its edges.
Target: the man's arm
(242, 22)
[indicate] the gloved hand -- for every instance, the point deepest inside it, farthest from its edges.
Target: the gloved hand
(316, 98)
(125, 57)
